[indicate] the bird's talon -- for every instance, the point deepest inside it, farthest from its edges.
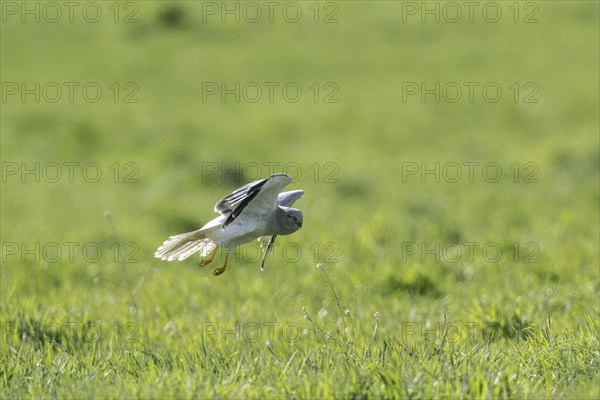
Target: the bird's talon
(219, 271)
(204, 263)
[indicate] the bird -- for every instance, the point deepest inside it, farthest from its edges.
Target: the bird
(256, 210)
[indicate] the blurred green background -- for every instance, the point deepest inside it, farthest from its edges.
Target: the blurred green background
(154, 131)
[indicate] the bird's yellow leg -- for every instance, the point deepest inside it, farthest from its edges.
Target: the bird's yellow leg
(205, 261)
(219, 271)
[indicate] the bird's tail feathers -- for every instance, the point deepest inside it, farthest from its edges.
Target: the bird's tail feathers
(180, 247)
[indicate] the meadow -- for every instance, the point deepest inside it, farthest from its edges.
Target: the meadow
(449, 154)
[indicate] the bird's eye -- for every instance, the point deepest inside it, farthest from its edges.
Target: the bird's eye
(292, 218)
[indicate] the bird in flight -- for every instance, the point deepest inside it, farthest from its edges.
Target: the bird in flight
(255, 210)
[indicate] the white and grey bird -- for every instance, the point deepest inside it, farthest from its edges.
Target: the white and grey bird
(255, 210)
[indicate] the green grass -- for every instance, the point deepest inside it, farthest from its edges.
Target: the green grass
(386, 292)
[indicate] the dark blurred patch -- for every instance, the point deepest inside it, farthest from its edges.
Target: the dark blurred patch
(226, 174)
(86, 133)
(427, 211)
(179, 156)
(180, 224)
(459, 274)
(579, 163)
(452, 235)
(416, 284)
(38, 332)
(586, 13)
(510, 327)
(172, 16)
(527, 253)
(42, 332)
(544, 275)
(181, 19)
(48, 136)
(88, 138)
(424, 217)
(350, 188)
(36, 124)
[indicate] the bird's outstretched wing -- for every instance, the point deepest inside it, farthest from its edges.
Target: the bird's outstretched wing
(258, 197)
(286, 199)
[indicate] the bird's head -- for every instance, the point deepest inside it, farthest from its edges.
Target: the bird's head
(295, 217)
(290, 220)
